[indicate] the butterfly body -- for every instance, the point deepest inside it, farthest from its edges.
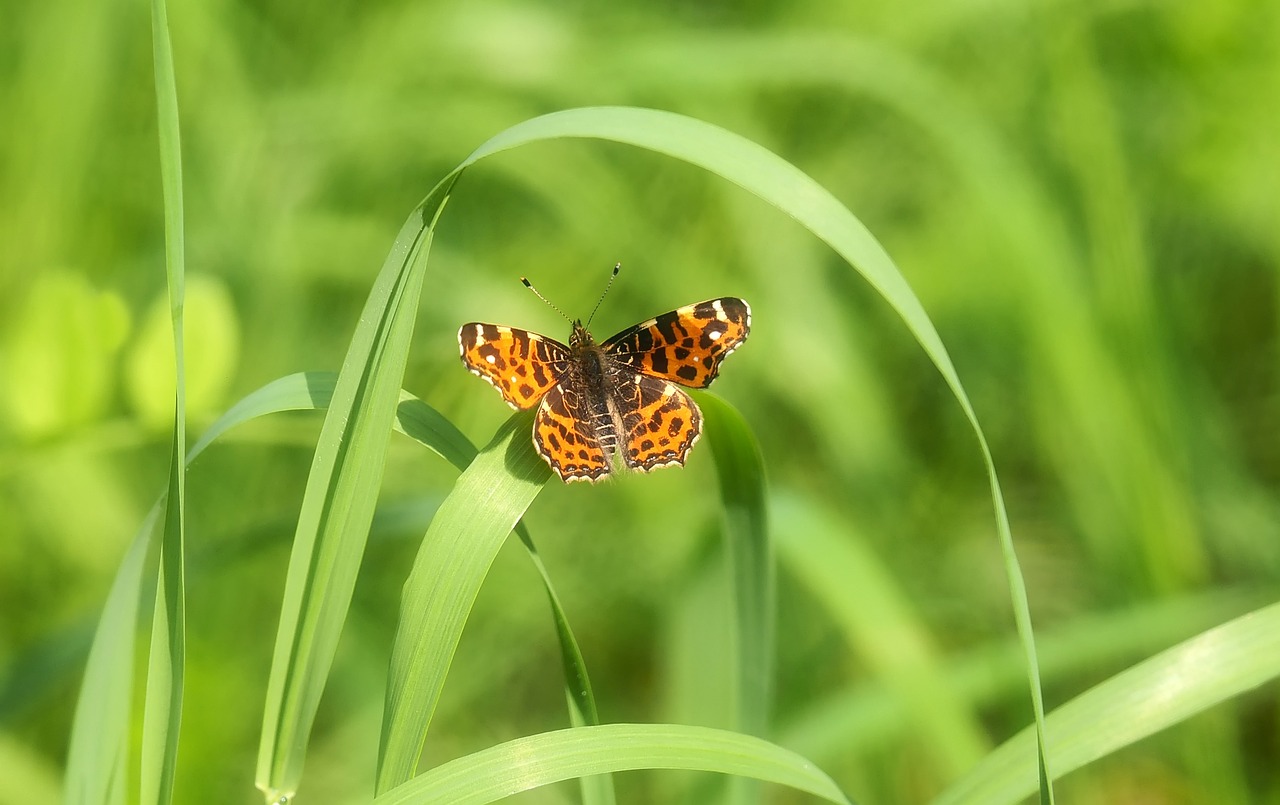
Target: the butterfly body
(614, 402)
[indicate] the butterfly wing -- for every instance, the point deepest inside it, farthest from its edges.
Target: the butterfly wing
(660, 423)
(563, 437)
(686, 345)
(523, 366)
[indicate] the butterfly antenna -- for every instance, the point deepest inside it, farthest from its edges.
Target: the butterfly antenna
(552, 305)
(616, 268)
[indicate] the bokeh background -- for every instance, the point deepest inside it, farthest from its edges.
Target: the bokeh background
(1083, 195)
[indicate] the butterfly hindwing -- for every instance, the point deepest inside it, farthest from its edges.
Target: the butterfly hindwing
(563, 436)
(686, 345)
(660, 423)
(523, 366)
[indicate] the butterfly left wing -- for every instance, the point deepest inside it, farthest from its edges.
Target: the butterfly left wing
(686, 345)
(523, 366)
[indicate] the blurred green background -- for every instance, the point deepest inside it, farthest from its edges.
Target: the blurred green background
(1083, 195)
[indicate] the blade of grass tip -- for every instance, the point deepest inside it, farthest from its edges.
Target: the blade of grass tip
(740, 470)
(763, 173)
(1166, 689)
(526, 763)
(301, 391)
(338, 504)
(162, 714)
(471, 524)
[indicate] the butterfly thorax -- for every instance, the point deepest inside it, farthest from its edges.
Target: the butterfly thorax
(591, 377)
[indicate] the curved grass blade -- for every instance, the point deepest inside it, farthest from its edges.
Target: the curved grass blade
(537, 760)
(740, 470)
(337, 507)
(97, 762)
(1164, 690)
(763, 173)
(162, 713)
(470, 526)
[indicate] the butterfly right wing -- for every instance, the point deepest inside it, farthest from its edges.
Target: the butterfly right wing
(686, 345)
(521, 365)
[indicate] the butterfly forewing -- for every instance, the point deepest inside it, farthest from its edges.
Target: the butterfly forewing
(686, 345)
(522, 365)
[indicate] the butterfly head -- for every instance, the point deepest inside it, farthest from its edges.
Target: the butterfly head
(581, 336)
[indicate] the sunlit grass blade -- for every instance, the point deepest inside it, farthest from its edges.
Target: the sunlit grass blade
(1157, 693)
(470, 526)
(162, 714)
(779, 183)
(537, 760)
(337, 507)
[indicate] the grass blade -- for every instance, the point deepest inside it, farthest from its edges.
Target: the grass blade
(464, 536)
(337, 508)
(162, 714)
(1164, 690)
(537, 760)
(97, 763)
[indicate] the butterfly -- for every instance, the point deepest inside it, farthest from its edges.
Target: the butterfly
(617, 401)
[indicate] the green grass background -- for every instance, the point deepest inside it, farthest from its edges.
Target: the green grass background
(1082, 195)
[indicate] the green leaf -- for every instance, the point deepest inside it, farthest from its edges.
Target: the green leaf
(97, 763)
(162, 714)
(464, 536)
(337, 508)
(1168, 688)
(526, 763)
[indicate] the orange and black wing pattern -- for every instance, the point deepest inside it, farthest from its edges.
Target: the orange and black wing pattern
(566, 440)
(660, 423)
(523, 366)
(686, 345)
